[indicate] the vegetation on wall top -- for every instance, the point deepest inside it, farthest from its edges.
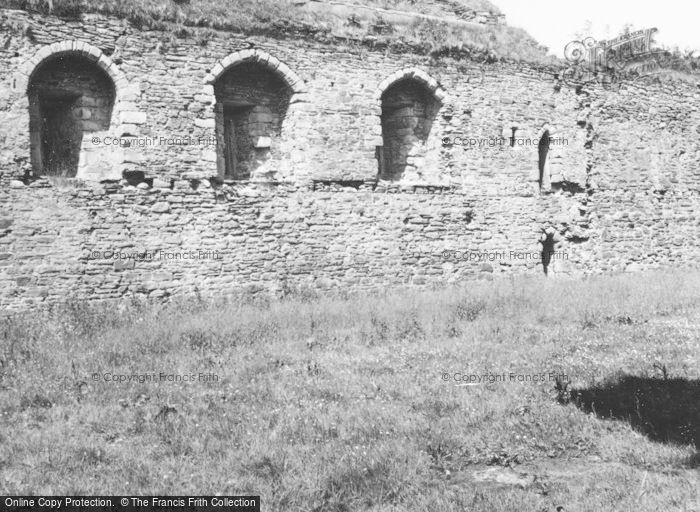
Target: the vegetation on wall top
(285, 17)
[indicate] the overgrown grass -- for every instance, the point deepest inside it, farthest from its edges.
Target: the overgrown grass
(339, 403)
(282, 17)
(227, 13)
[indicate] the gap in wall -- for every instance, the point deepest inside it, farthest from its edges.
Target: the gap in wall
(408, 112)
(69, 96)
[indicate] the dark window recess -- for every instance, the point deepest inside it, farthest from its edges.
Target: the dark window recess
(408, 112)
(61, 137)
(543, 150)
(69, 96)
(547, 252)
(254, 103)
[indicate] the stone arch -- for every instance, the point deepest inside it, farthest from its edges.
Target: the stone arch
(409, 103)
(77, 108)
(412, 74)
(250, 109)
(76, 48)
(255, 56)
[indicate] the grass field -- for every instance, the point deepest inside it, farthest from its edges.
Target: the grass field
(356, 403)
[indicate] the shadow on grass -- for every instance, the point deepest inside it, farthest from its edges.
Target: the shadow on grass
(665, 410)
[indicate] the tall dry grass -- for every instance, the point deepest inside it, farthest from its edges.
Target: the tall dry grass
(339, 403)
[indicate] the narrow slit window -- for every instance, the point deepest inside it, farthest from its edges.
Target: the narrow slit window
(543, 155)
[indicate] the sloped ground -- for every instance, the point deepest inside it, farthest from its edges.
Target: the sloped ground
(283, 18)
(199, 11)
(362, 403)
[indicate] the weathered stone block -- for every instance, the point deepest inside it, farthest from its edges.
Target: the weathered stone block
(124, 264)
(160, 183)
(263, 142)
(161, 207)
(205, 123)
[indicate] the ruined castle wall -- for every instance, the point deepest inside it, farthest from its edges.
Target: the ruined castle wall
(317, 215)
(645, 175)
(108, 242)
(333, 124)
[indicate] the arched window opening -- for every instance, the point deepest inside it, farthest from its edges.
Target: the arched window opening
(69, 96)
(252, 103)
(408, 112)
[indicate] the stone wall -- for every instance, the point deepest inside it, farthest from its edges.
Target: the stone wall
(333, 124)
(108, 241)
(645, 176)
(314, 211)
